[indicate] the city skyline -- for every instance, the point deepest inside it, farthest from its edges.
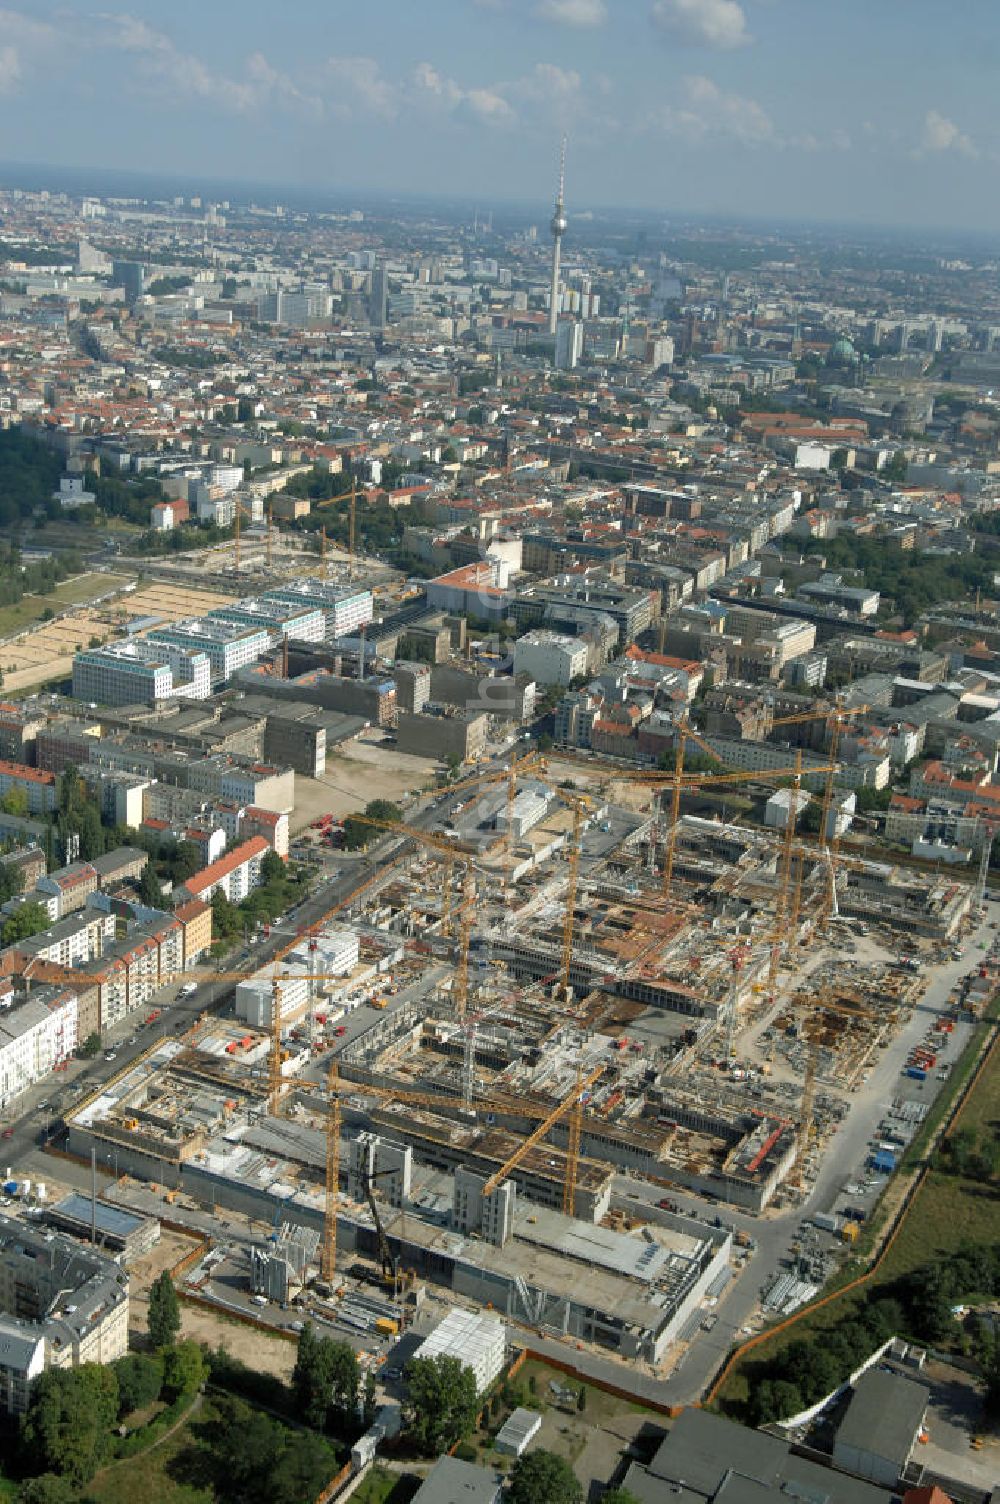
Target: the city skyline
(712, 107)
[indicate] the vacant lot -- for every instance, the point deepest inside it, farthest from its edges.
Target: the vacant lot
(362, 771)
(43, 651)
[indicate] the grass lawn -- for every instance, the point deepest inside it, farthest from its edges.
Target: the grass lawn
(148, 1477)
(599, 1407)
(75, 592)
(383, 1487)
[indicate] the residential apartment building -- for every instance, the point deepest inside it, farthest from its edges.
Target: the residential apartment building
(236, 874)
(68, 1305)
(195, 920)
(35, 1035)
(38, 787)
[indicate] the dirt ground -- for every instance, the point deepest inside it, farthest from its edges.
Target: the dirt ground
(363, 771)
(46, 651)
(250, 1344)
(167, 1252)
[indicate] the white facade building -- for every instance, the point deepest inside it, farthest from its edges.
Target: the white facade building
(228, 645)
(550, 657)
(137, 671)
(346, 610)
(254, 998)
(477, 1340)
(35, 1037)
(300, 623)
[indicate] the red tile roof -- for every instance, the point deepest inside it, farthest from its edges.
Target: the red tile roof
(247, 851)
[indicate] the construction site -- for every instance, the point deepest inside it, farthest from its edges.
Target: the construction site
(544, 993)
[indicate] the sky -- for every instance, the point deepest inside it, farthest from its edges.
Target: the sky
(878, 112)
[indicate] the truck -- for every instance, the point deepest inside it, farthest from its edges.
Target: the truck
(387, 1326)
(916, 1073)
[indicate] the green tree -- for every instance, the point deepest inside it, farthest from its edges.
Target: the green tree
(310, 1379)
(185, 1369)
(164, 1318)
(441, 1402)
(91, 1046)
(991, 1379)
(225, 916)
(272, 868)
(29, 919)
(325, 1376)
(140, 1380)
(619, 1496)
(542, 1477)
(48, 1488)
(581, 1399)
(150, 891)
(345, 1377)
(358, 832)
(303, 1467)
(67, 1426)
(15, 802)
(368, 1403)
(895, 469)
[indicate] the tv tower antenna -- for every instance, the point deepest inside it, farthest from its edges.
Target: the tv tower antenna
(558, 228)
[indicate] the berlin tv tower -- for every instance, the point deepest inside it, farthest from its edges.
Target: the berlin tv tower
(558, 228)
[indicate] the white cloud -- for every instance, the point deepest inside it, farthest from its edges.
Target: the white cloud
(548, 84)
(488, 104)
(704, 111)
(163, 65)
(359, 84)
(10, 69)
(573, 12)
(706, 23)
(941, 134)
(23, 43)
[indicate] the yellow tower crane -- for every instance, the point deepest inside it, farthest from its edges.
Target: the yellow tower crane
(328, 1263)
(583, 1085)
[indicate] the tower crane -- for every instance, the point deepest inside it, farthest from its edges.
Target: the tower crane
(784, 875)
(583, 1085)
(328, 1264)
(352, 497)
(684, 731)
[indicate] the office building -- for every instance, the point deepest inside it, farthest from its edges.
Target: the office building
(378, 297)
(228, 645)
(569, 344)
(550, 657)
(303, 623)
(130, 276)
(137, 671)
(346, 610)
